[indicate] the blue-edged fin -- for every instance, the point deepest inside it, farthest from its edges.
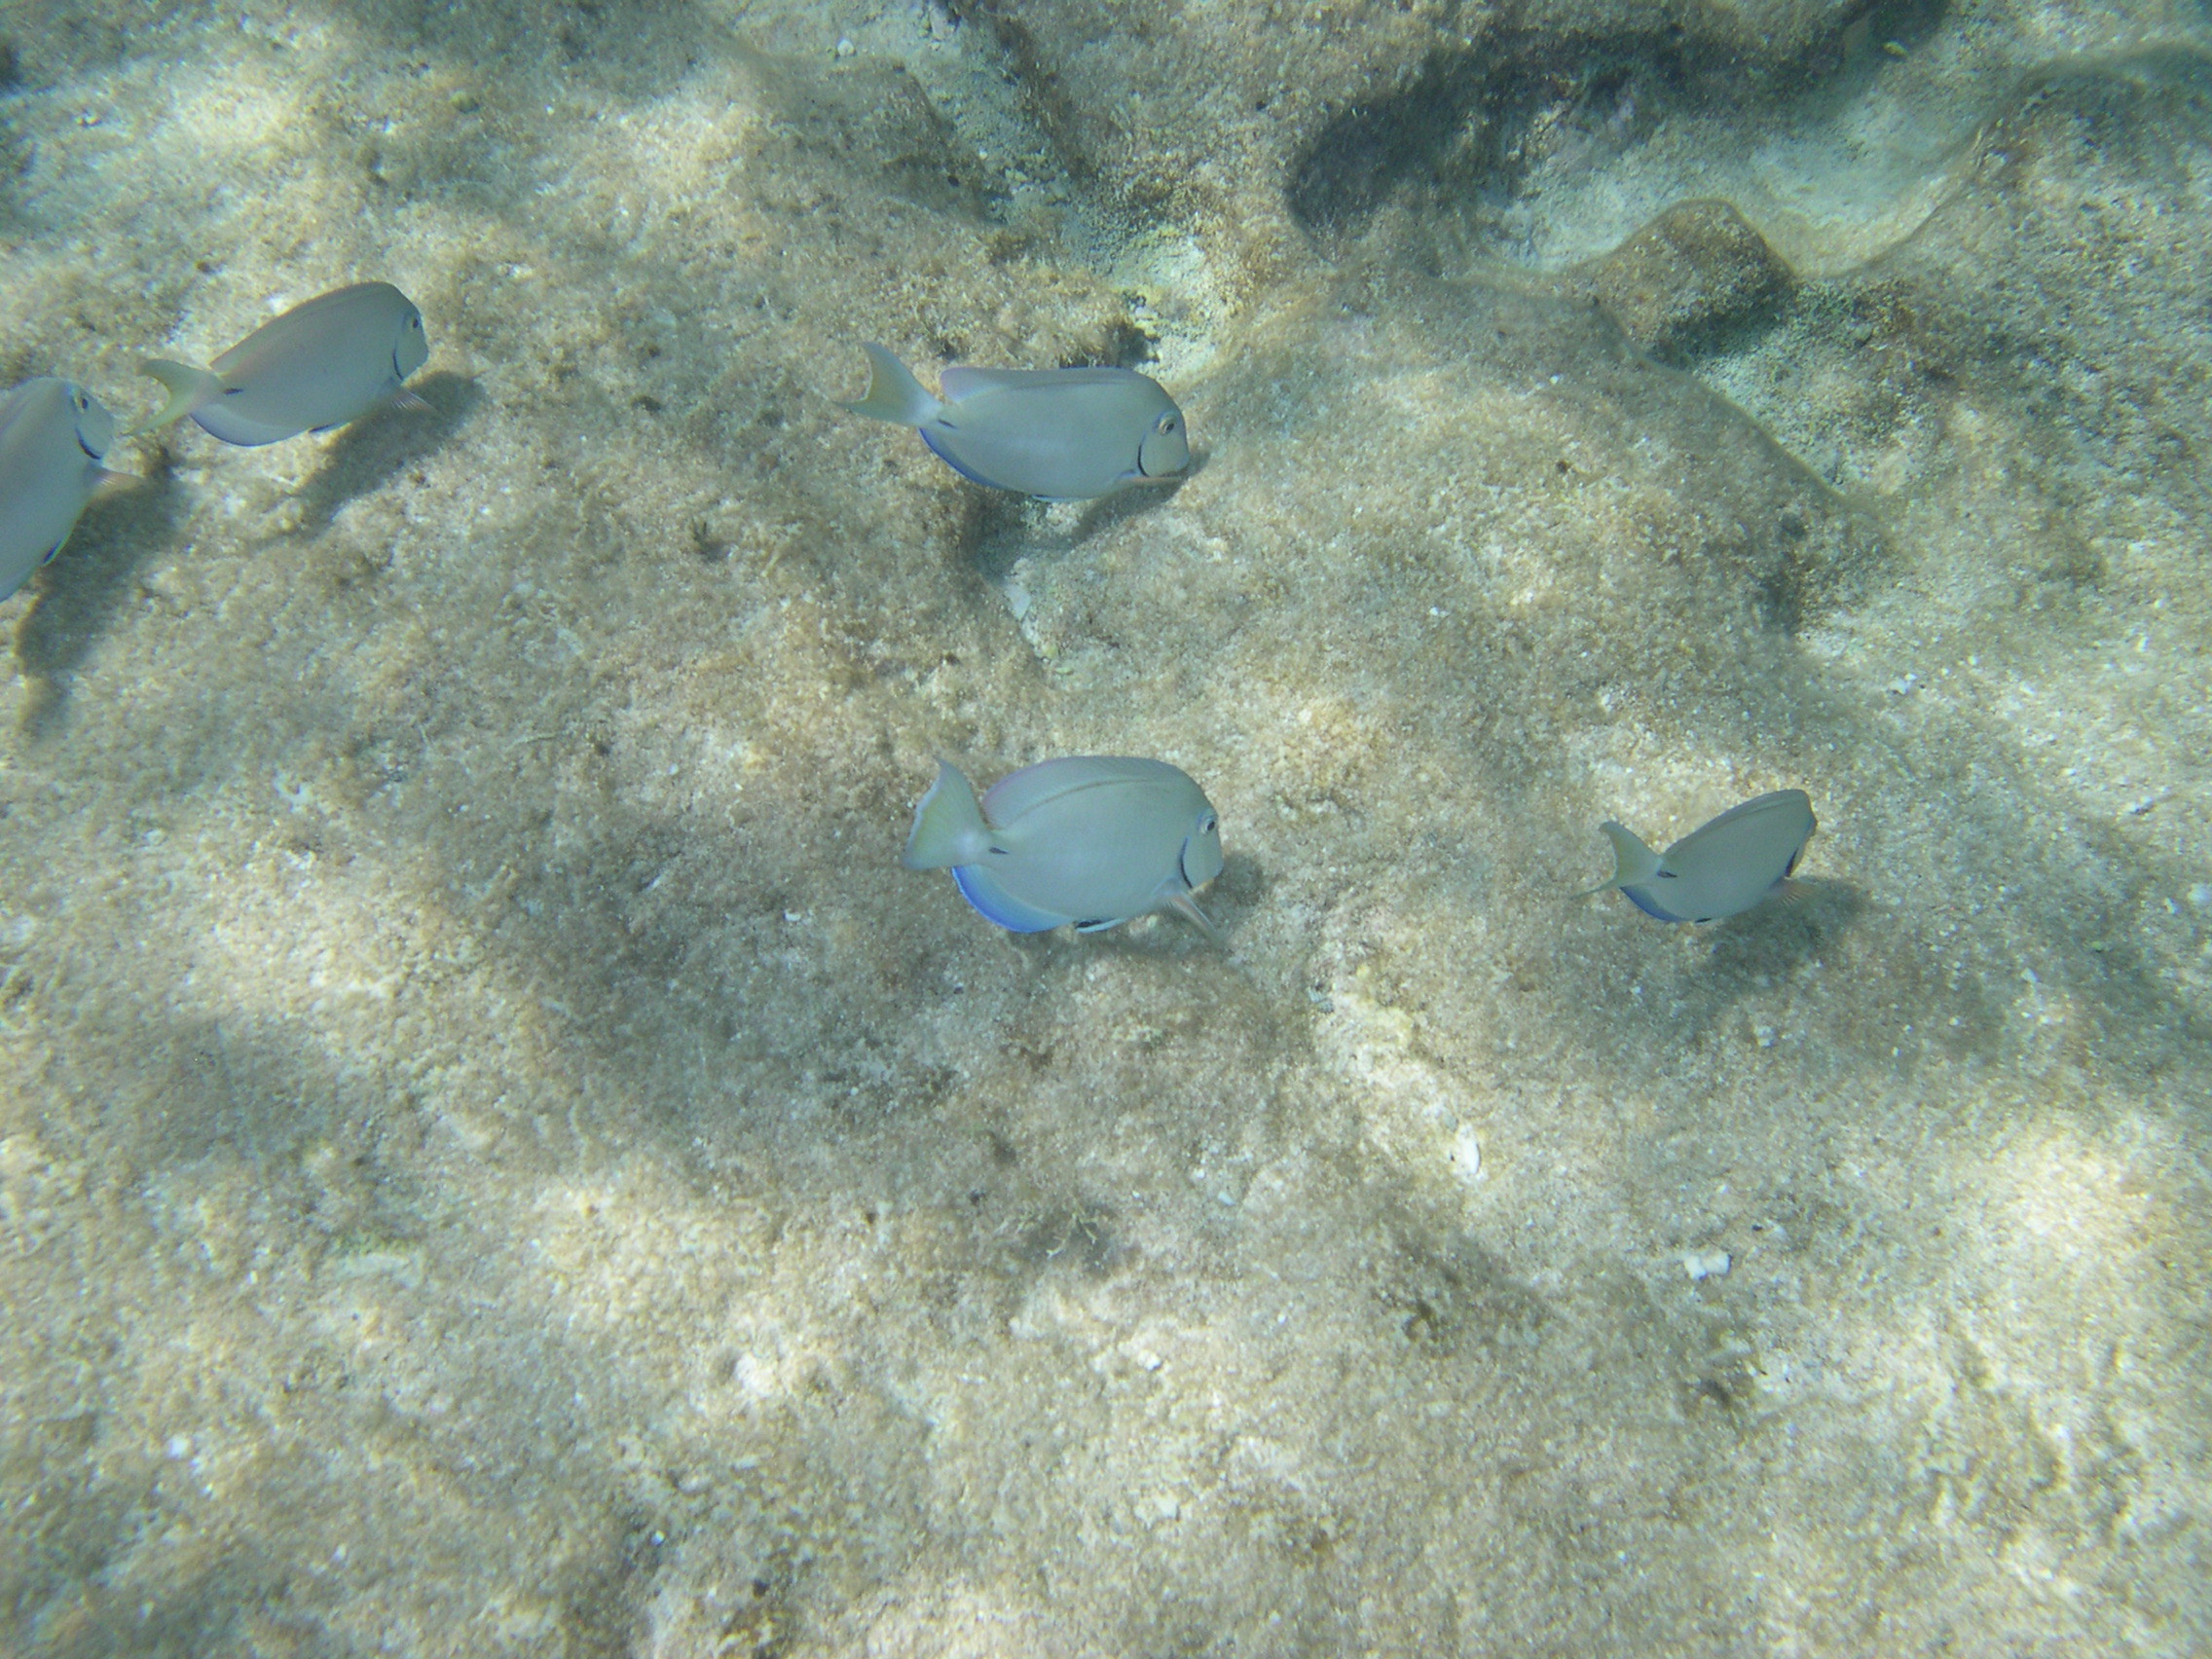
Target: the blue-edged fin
(994, 903)
(948, 829)
(1642, 901)
(189, 388)
(893, 395)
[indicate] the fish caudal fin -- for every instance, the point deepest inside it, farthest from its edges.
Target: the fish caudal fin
(893, 395)
(948, 825)
(1633, 863)
(189, 388)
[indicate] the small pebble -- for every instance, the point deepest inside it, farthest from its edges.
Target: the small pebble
(1466, 1155)
(1712, 1264)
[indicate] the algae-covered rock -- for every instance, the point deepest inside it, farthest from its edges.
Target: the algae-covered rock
(1693, 275)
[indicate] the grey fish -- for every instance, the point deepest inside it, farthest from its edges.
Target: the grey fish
(324, 362)
(1063, 434)
(1719, 868)
(54, 436)
(1089, 839)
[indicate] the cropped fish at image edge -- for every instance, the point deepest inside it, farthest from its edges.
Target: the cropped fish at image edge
(324, 362)
(54, 436)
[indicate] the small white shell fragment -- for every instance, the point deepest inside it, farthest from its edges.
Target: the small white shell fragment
(1466, 1155)
(1711, 1264)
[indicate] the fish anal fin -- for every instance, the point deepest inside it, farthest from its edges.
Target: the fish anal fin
(1649, 907)
(994, 903)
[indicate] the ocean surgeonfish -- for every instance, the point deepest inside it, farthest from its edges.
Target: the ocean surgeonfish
(1089, 839)
(1062, 434)
(54, 436)
(324, 362)
(1719, 868)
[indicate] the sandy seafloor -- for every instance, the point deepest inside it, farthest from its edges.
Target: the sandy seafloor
(496, 1158)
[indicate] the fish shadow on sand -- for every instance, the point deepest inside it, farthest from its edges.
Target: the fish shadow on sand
(1123, 505)
(1776, 939)
(1002, 529)
(368, 452)
(92, 577)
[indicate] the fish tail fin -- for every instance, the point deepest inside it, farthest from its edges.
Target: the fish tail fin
(893, 395)
(1633, 863)
(189, 388)
(949, 824)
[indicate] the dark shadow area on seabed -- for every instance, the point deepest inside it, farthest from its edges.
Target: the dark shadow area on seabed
(92, 577)
(370, 450)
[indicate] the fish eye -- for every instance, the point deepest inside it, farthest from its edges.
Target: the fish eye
(1206, 825)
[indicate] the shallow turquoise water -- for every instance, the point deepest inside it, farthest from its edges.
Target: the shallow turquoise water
(496, 1156)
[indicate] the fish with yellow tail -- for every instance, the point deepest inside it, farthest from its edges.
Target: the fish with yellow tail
(1089, 839)
(1720, 869)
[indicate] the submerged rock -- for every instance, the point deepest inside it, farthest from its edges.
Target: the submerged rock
(1694, 276)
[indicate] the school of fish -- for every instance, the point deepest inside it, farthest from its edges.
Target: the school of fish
(1093, 841)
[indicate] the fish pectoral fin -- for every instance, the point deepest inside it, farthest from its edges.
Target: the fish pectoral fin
(1183, 905)
(1795, 889)
(1100, 926)
(405, 399)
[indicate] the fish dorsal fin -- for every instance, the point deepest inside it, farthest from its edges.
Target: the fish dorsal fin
(1013, 797)
(1773, 807)
(959, 382)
